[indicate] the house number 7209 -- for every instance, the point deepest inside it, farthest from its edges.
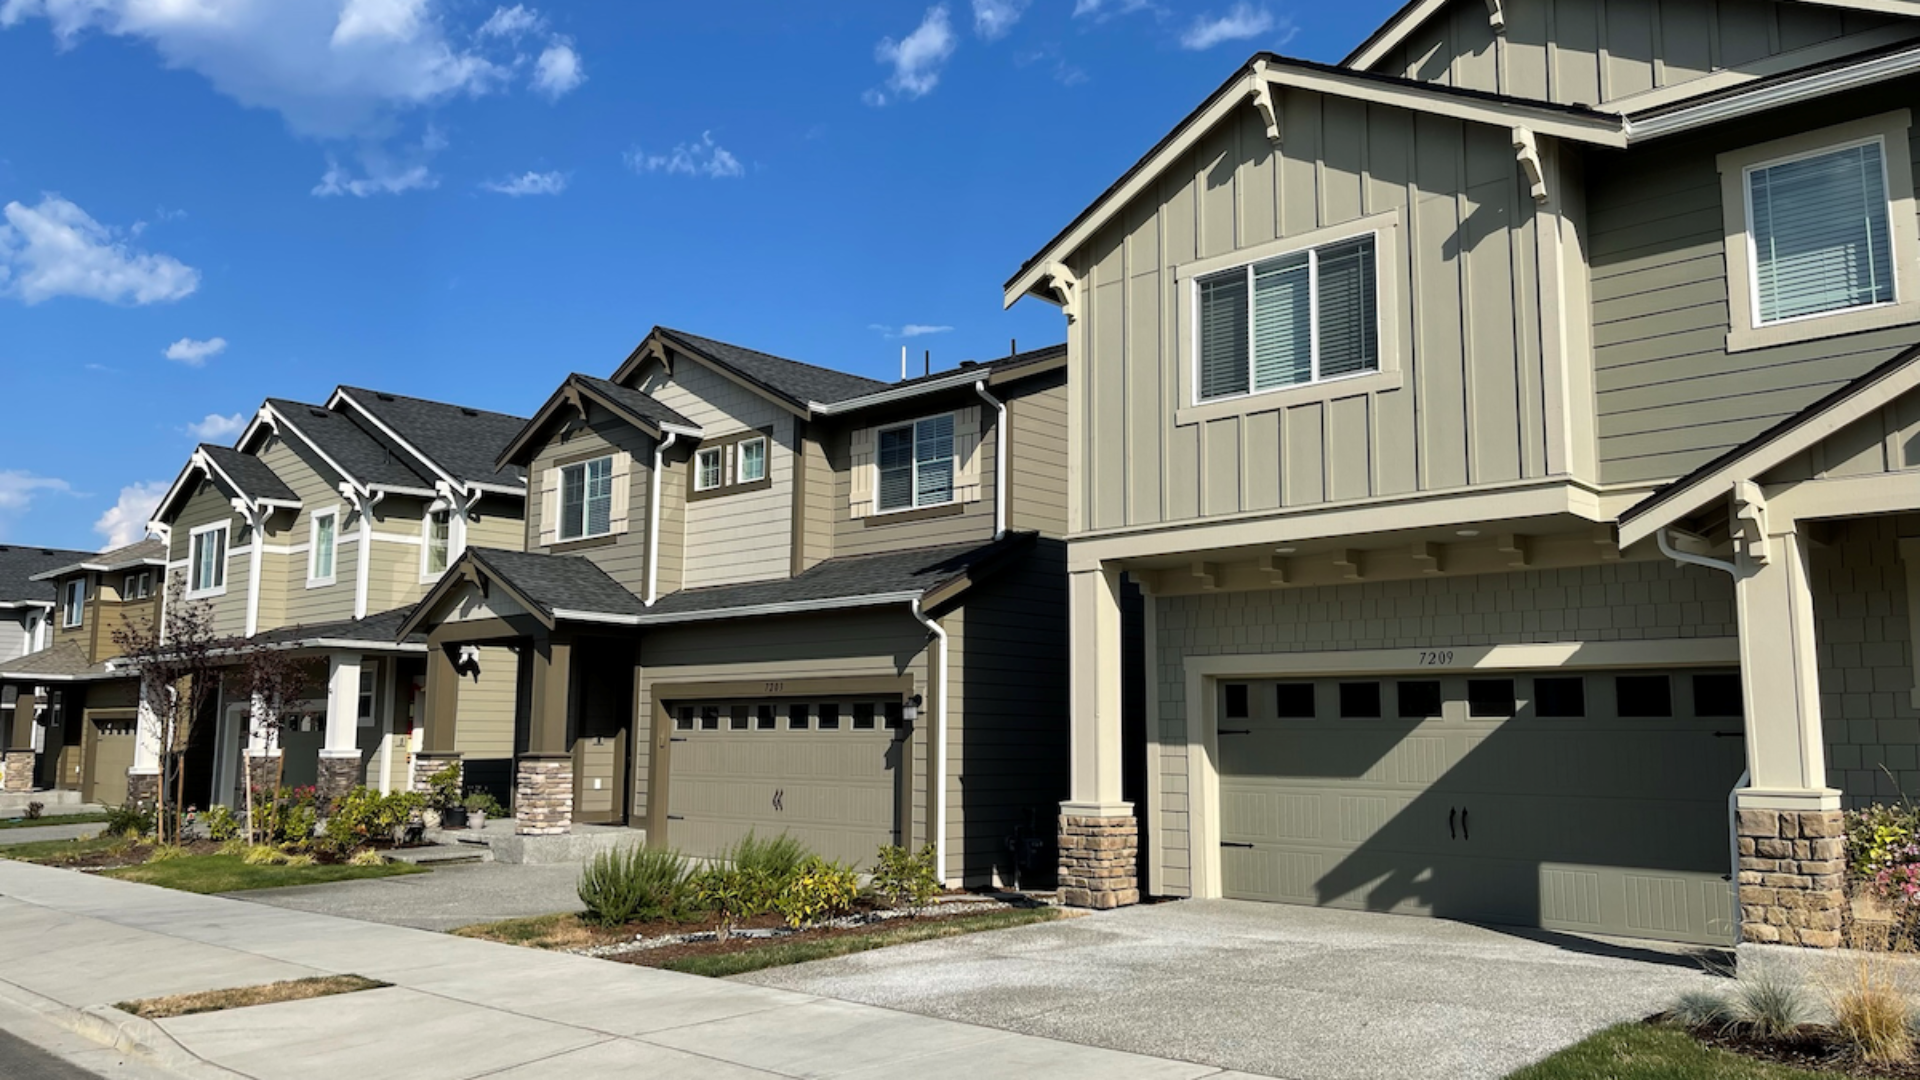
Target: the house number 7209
(1436, 658)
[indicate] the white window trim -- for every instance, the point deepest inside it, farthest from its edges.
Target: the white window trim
(1745, 331)
(193, 562)
(72, 615)
(1389, 264)
(953, 489)
(699, 469)
(315, 581)
(455, 535)
(740, 457)
(129, 587)
(560, 526)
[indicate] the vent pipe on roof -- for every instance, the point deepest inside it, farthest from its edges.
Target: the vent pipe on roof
(903, 363)
(928, 361)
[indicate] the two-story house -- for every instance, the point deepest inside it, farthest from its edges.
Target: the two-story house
(314, 534)
(762, 595)
(1512, 432)
(70, 718)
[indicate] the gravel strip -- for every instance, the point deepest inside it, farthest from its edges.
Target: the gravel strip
(848, 922)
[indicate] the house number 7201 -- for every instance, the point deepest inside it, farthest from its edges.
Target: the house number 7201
(1436, 658)
(775, 687)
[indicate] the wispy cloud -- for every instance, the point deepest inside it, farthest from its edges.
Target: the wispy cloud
(531, 183)
(559, 69)
(702, 158)
(216, 428)
(383, 171)
(910, 330)
(993, 18)
(18, 489)
(1107, 9)
(125, 522)
(511, 22)
(56, 249)
(916, 59)
(1241, 21)
(196, 353)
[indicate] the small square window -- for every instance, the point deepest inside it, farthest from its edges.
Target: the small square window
(1419, 698)
(764, 719)
(1643, 695)
(710, 469)
(863, 715)
(683, 718)
(798, 717)
(896, 713)
(1237, 701)
(1717, 695)
(1490, 697)
(709, 718)
(737, 719)
(1360, 700)
(1294, 701)
(1560, 696)
(753, 460)
(829, 717)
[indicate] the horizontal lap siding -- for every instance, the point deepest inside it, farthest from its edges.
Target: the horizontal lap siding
(1585, 52)
(1471, 408)
(1037, 457)
(498, 522)
(624, 558)
(878, 533)
(207, 506)
(485, 719)
(1621, 601)
(1668, 394)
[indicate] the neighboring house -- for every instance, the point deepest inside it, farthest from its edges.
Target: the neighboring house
(1513, 433)
(26, 601)
(71, 719)
(314, 533)
(762, 595)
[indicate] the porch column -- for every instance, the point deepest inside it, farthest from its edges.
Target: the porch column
(340, 755)
(19, 742)
(1792, 866)
(1099, 840)
(143, 778)
(436, 724)
(543, 783)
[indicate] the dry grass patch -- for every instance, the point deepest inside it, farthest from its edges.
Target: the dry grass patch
(562, 931)
(161, 1008)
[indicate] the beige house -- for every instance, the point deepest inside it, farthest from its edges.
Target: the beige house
(1507, 436)
(760, 594)
(315, 533)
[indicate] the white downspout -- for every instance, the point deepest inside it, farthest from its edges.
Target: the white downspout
(999, 459)
(654, 485)
(256, 519)
(937, 751)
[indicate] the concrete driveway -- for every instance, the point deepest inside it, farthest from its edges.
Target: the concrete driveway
(1282, 991)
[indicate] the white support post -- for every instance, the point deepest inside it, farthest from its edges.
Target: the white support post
(147, 733)
(1780, 676)
(343, 705)
(1094, 634)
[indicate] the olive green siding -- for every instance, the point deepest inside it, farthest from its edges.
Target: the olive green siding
(485, 728)
(880, 532)
(1471, 408)
(1586, 52)
(498, 522)
(1037, 456)
(207, 506)
(624, 555)
(817, 493)
(1669, 395)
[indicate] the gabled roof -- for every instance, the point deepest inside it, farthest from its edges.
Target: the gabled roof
(147, 552)
(789, 382)
(460, 443)
(1852, 402)
(20, 567)
(63, 661)
(633, 406)
(347, 448)
(552, 588)
(246, 476)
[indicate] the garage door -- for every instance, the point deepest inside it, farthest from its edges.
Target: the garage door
(825, 771)
(109, 756)
(1592, 802)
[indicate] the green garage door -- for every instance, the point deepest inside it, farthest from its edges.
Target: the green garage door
(1593, 802)
(825, 771)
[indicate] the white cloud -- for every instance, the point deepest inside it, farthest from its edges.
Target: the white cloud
(383, 171)
(558, 70)
(1242, 21)
(18, 489)
(532, 183)
(195, 353)
(56, 249)
(993, 18)
(1106, 9)
(216, 428)
(910, 330)
(917, 58)
(703, 158)
(125, 522)
(511, 22)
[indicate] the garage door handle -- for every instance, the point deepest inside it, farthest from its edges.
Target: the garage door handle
(1464, 834)
(1234, 731)
(1452, 812)
(1234, 843)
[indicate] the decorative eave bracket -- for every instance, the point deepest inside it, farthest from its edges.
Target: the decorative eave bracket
(1066, 286)
(1496, 17)
(1526, 151)
(1263, 100)
(1750, 521)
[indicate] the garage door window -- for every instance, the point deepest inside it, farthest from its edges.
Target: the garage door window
(738, 718)
(863, 716)
(683, 718)
(710, 718)
(1419, 698)
(1360, 700)
(1558, 697)
(829, 717)
(1295, 701)
(1643, 695)
(1717, 695)
(799, 717)
(764, 720)
(1490, 697)
(1237, 701)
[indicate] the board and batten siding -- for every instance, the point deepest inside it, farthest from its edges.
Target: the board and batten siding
(1471, 407)
(623, 555)
(1591, 52)
(1668, 394)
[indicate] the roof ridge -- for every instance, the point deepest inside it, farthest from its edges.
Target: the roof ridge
(430, 401)
(692, 337)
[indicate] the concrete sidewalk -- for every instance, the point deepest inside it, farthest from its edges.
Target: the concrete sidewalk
(73, 944)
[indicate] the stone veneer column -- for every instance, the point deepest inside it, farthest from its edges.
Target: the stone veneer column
(143, 788)
(1792, 877)
(543, 795)
(338, 775)
(19, 770)
(425, 765)
(1098, 861)
(263, 770)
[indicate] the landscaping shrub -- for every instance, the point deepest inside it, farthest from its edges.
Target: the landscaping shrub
(818, 890)
(285, 815)
(443, 788)
(35, 809)
(1871, 1014)
(165, 852)
(129, 820)
(1883, 852)
(222, 826)
(483, 802)
(1769, 1006)
(778, 859)
(905, 878)
(735, 893)
(263, 855)
(1702, 1010)
(631, 883)
(366, 857)
(364, 815)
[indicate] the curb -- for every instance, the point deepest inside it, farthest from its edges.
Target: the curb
(122, 1031)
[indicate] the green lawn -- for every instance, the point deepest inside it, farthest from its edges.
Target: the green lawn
(1649, 1052)
(901, 932)
(56, 852)
(52, 819)
(230, 873)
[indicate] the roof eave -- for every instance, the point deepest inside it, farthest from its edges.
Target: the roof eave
(990, 374)
(1774, 93)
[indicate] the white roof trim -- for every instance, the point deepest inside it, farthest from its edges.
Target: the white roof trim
(280, 420)
(797, 607)
(1776, 95)
(594, 617)
(10, 605)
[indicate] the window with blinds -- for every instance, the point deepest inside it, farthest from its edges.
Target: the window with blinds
(586, 499)
(1820, 234)
(915, 463)
(1301, 318)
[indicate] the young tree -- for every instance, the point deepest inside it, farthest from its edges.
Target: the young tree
(273, 680)
(179, 663)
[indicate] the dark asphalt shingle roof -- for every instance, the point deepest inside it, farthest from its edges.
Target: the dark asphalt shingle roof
(640, 404)
(379, 629)
(846, 578)
(255, 479)
(62, 660)
(461, 440)
(19, 563)
(797, 382)
(558, 582)
(365, 458)
(984, 368)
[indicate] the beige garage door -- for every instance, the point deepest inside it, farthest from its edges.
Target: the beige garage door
(1593, 802)
(109, 756)
(826, 771)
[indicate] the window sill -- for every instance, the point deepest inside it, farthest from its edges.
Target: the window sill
(584, 543)
(204, 594)
(1821, 327)
(919, 513)
(1273, 400)
(320, 583)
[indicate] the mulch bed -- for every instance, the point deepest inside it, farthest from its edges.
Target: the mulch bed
(667, 954)
(1812, 1048)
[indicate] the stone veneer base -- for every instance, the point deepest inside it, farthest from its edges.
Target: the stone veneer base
(143, 788)
(543, 796)
(19, 770)
(1792, 877)
(337, 775)
(1098, 861)
(425, 765)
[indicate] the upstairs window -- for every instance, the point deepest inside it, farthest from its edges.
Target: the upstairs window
(1304, 317)
(710, 469)
(73, 604)
(137, 586)
(324, 537)
(586, 499)
(753, 461)
(207, 561)
(916, 464)
(1821, 235)
(439, 550)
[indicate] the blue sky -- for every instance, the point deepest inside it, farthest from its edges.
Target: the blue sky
(213, 201)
